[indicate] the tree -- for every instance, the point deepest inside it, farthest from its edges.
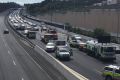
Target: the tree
(100, 32)
(68, 26)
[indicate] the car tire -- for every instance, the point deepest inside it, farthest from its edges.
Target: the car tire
(108, 78)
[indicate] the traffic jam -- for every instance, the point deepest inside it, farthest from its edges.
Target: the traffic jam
(61, 45)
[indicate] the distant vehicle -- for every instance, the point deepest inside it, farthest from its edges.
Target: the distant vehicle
(90, 45)
(35, 28)
(53, 32)
(28, 28)
(62, 43)
(31, 35)
(101, 50)
(62, 53)
(6, 31)
(117, 48)
(50, 47)
(19, 26)
(22, 27)
(111, 72)
(75, 40)
(82, 45)
(26, 32)
(46, 37)
(34, 25)
(44, 29)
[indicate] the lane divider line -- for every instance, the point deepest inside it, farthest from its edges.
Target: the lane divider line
(14, 63)
(9, 53)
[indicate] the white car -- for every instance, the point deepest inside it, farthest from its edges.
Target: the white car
(75, 40)
(50, 47)
(26, 32)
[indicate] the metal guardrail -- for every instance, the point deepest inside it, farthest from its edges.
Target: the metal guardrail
(20, 35)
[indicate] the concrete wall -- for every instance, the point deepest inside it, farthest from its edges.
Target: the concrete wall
(97, 18)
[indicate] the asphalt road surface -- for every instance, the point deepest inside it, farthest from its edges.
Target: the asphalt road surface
(88, 66)
(15, 61)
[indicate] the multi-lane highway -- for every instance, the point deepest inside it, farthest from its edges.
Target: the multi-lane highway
(17, 64)
(28, 64)
(88, 66)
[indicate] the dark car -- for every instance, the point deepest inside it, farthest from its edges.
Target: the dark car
(6, 31)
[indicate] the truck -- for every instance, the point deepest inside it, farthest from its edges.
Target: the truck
(101, 50)
(47, 35)
(31, 35)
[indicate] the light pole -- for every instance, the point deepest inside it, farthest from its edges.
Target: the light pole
(51, 13)
(118, 24)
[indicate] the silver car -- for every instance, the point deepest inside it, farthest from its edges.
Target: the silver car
(62, 53)
(50, 47)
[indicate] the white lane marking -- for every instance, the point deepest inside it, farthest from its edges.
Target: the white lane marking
(14, 63)
(76, 74)
(4, 42)
(8, 50)
(22, 79)
(34, 60)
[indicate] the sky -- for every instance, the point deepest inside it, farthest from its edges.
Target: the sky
(22, 1)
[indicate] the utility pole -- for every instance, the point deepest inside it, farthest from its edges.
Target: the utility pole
(51, 13)
(118, 24)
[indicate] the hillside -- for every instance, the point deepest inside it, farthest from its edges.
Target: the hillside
(5, 6)
(59, 5)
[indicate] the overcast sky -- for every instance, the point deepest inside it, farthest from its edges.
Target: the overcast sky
(22, 1)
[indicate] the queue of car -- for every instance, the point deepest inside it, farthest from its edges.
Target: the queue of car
(27, 28)
(62, 48)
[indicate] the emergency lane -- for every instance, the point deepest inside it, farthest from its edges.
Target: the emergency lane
(15, 61)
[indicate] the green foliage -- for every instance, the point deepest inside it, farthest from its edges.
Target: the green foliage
(100, 32)
(97, 32)
(55, 5)
(68, 27)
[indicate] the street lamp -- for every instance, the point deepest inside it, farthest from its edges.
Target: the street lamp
(118, 19)
(51, 14)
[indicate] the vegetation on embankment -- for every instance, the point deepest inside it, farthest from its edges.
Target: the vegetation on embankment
(51, 6)
(95, 33)
(58, 5)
